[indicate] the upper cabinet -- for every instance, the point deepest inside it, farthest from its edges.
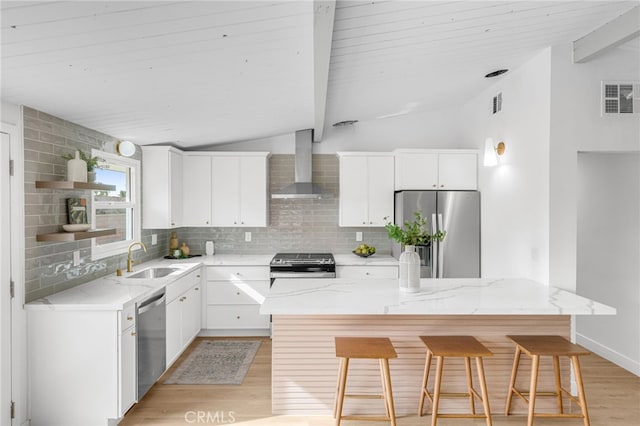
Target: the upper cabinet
(162, 184)
(239, 188)
(196, 196)
(366, 188)
(435, 169)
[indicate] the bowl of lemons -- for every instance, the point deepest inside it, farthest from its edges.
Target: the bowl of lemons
(364, 250)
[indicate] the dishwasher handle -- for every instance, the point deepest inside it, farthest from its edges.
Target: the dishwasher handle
(151, 303)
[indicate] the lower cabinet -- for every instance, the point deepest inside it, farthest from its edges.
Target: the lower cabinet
(366, 272)
(82, 366)
(183, 314)
(234, 296)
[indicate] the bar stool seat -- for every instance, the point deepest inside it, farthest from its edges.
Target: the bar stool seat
(460, 347)
(379, 348)
(554, 346)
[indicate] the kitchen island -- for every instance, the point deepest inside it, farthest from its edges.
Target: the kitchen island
(309, 313)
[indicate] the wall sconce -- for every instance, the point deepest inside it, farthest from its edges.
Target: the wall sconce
(126, 148)
(491, 152)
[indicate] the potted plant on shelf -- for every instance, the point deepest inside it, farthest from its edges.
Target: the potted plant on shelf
(92, 162)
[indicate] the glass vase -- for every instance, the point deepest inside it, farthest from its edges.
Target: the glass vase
(409, 264)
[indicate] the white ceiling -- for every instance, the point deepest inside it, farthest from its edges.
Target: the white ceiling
(204, 72)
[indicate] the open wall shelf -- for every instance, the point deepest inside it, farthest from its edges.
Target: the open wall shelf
(63, 184)
(60, 237)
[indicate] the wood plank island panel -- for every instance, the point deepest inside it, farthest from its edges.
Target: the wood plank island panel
(304, 366)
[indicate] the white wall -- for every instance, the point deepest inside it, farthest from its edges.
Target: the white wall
(608, 254)
(576, 125)
(515, 194)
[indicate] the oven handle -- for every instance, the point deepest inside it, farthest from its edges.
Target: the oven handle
(303, 275)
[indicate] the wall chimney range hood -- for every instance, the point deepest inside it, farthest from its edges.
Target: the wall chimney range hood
(302, 188)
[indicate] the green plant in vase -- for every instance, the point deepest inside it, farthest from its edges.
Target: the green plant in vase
(415, 233)
(92, 162)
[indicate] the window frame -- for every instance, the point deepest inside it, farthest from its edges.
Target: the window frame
(119, 247)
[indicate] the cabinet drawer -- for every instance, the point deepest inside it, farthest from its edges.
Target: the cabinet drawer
(127, 317)
(367, 271)
(236, 293)
(233, 273)
(183, 284)
(236, 316)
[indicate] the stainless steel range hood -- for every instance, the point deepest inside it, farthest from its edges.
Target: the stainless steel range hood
(302, 186)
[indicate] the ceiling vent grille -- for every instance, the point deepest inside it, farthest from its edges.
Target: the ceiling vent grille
(620, 97)
(497, 103)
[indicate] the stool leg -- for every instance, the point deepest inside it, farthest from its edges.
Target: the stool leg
(583, 400)
(389, 393)
(384, 388)
(483, 389)
(341, 388)
(512, 381)
(535, 362)
(467, 364)
(556, 373)
(338, 385)
(436, 390)
(425, 378)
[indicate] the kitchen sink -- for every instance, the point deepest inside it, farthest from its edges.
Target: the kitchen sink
(153, 273)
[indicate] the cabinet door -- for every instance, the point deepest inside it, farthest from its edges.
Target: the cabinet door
(196, 190)
(225, 187)
(190, 315)
(380, 196)
(253, 191)
(353, 191)
(457, 171)
(128, 370)
(416, 171)
(174, 329)
(175, 196)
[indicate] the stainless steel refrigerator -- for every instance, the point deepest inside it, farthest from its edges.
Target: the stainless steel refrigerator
(455, 212)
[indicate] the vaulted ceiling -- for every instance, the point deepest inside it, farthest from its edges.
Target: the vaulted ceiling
(204, 72)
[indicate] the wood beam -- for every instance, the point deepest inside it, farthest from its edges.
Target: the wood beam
(323, 15)
(622, 29)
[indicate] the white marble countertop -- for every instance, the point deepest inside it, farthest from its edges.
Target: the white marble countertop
(375, 260)
(465, 296)
(113, 293)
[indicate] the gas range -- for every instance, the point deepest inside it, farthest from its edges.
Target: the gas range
(303, 265)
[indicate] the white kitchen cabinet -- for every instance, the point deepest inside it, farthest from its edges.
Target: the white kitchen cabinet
(240, 189)
(436, 169)
(196, 195)
(162, 186)
(82, 365)
(366, 188)
(234, 295)
(183, 313)
(366, 272)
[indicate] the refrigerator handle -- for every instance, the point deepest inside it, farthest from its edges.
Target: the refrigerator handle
(440, 248)
(434, 248)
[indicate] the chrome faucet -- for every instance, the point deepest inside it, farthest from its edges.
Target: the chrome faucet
(129, 260)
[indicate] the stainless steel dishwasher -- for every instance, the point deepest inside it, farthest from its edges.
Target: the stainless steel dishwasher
(151, 322)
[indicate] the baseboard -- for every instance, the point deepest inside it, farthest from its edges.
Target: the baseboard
(617, 358)
(234, 332)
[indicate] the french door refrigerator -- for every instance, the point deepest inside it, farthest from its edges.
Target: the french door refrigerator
(455, 212)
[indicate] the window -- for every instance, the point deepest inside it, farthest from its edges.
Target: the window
(119, 209)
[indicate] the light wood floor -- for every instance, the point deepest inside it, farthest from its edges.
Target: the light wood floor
(613, 396)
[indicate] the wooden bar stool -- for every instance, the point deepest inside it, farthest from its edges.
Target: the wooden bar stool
(369, 348)
(555, 346)
(455, 346)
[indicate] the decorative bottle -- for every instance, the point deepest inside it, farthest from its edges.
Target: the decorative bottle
(409, 263)
(185, 249)
(173, 243)
(77, 169)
